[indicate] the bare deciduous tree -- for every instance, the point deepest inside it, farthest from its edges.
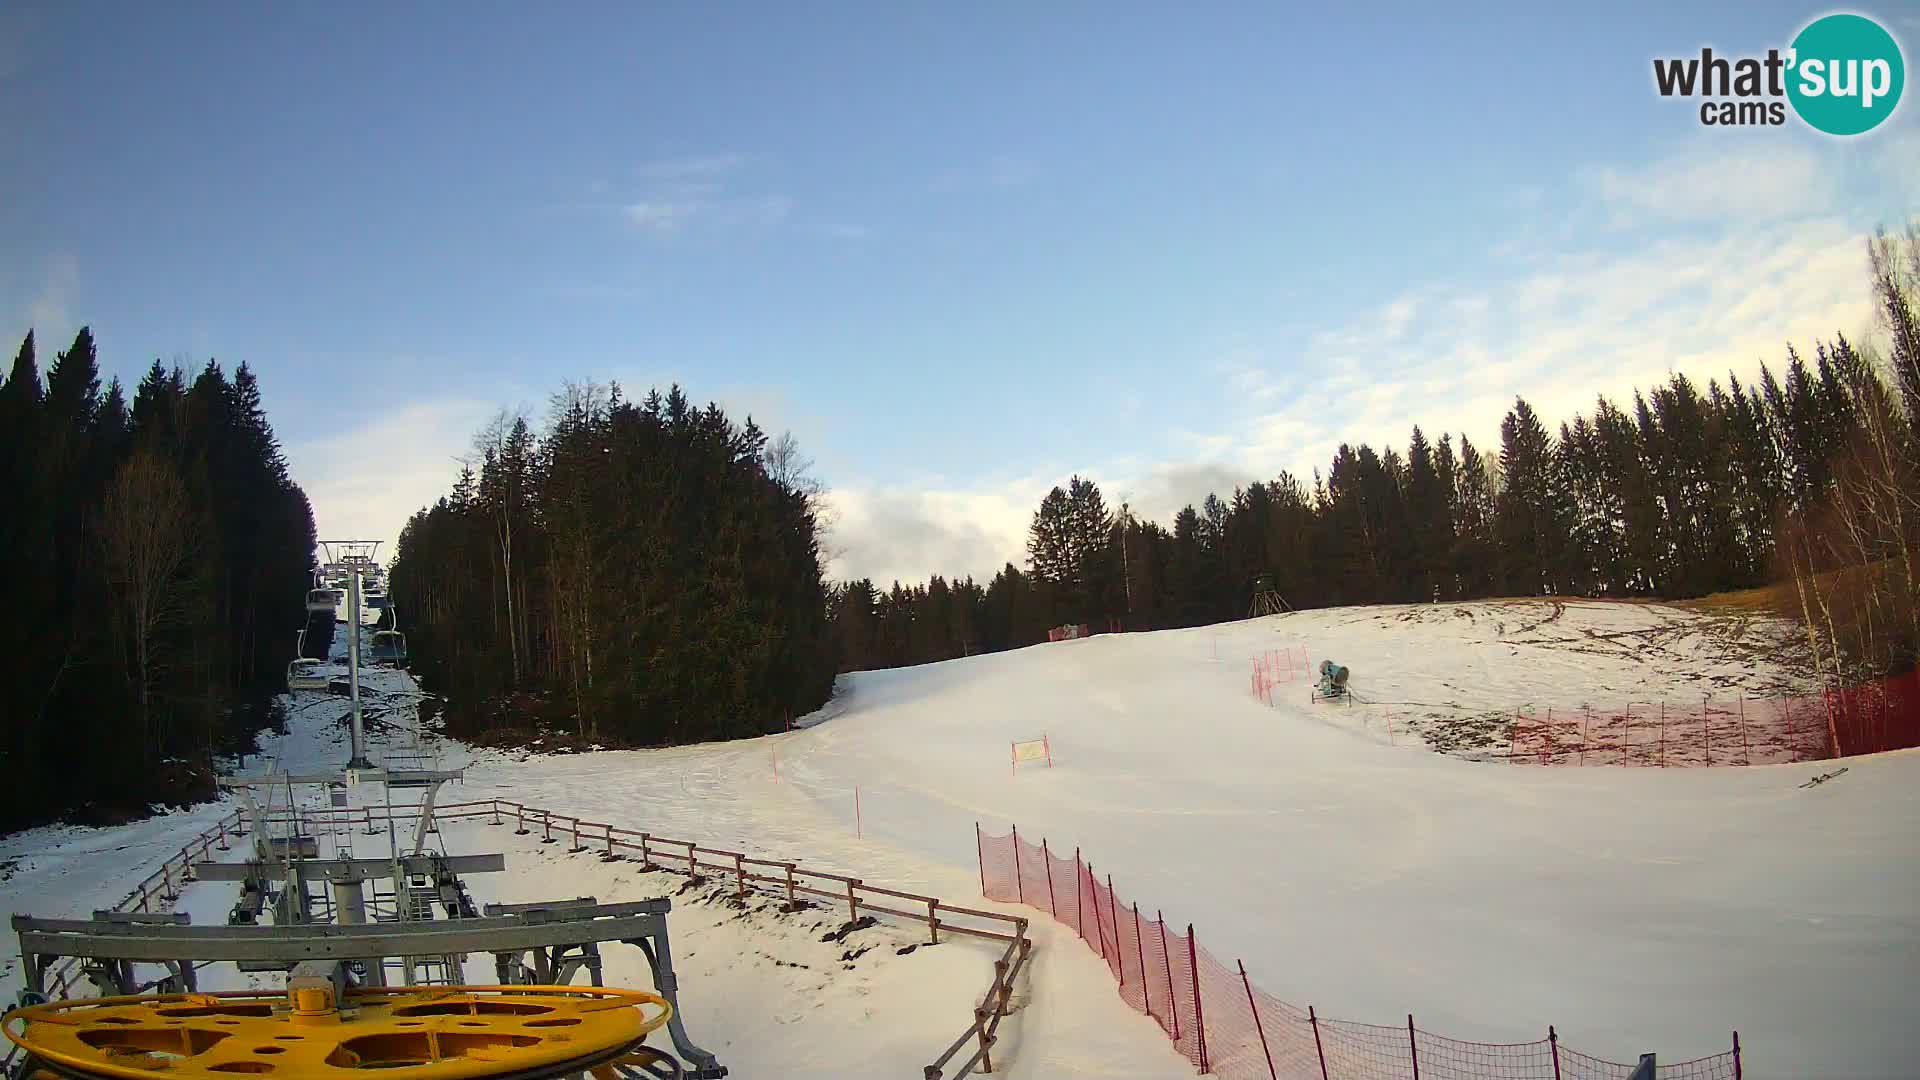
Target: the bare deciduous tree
(147, 539)
(503, 489)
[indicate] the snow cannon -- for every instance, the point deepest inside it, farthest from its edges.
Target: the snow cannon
(1333, 682)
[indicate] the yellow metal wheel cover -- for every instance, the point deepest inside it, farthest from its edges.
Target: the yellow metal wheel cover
(406, 1033)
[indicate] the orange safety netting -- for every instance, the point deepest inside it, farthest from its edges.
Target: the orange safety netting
(1221, 1022)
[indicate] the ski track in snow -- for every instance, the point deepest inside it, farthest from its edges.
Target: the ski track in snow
(1634, 908)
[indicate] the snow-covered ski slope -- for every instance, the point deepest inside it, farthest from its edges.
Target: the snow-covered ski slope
(1635, 909)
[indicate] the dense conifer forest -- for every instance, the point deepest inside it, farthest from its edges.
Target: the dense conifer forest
(644, 573)
(650, 572)
(156, 556)
(1806, 476)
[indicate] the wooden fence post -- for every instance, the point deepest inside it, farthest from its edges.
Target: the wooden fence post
(1746, 755)
(1663, 734)
(1553, 1042)
(1113, 902)
(1706, 731)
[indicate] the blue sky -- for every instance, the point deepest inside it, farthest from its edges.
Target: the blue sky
(961, 251)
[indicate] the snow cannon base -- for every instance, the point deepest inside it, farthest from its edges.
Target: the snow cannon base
(1333, 683)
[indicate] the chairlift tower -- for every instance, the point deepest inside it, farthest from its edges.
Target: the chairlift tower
(358, 557)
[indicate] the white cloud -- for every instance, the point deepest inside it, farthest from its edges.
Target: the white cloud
(658, 216)
(839, 230)
(999, 172)
(680, 192)
(49, 309)
(1758, 182)
(666, 217)
(687, 167)
(1780, 262)
(1579, 327)
(760, 210)
(905, 534)
(366, 482)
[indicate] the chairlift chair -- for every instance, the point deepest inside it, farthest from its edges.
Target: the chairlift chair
(390, 647)
(306, 675)
(319, 600)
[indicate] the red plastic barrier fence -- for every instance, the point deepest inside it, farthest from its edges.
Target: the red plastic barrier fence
(1220, 1021)
(1274, 667)
(1865, 719)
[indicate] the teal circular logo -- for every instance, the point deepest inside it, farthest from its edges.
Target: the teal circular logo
(1846, 74)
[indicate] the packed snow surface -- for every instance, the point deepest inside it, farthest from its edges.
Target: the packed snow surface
(1634, 908)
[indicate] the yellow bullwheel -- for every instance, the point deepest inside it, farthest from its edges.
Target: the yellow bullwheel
(406, 1033)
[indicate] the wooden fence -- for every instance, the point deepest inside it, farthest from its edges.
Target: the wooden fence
(777, 877)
